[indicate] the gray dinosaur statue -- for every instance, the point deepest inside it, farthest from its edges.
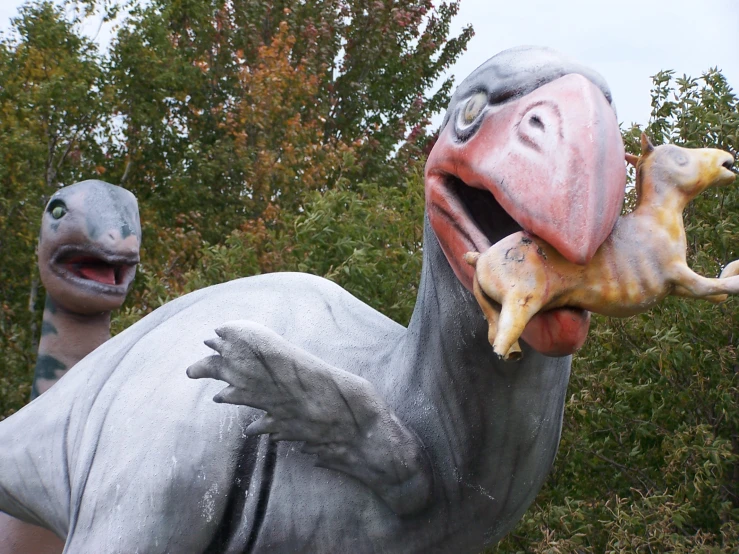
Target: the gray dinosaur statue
(340, 430)
(87, 255)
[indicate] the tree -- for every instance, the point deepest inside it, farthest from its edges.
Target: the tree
(354, 237)
(236, 111)
(210, 91)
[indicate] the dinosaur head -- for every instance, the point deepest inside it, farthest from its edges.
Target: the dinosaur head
(530, 141)
(89, 246)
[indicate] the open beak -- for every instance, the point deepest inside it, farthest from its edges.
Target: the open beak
(550, 162)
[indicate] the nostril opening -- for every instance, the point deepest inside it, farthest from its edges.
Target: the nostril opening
(536, 121)
(729, 164)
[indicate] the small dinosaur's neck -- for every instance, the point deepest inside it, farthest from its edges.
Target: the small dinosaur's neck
(66, 338)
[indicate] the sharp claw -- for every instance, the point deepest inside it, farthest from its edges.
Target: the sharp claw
(235, 395)
(227, 395)
(215, 344)
(471, 258)
(229, 331)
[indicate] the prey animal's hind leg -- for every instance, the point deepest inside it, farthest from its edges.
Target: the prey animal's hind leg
(730, 270)
(489, 310)
(492, 313)
(689, 284)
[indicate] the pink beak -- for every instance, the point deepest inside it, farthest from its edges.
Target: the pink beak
(553, 160)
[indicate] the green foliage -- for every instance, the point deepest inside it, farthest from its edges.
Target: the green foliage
(649, 458)
(356, 238)
(228, 107)
(235, 113)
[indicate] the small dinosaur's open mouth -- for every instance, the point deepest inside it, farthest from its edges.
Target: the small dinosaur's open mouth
(102, 272)
(95, 269)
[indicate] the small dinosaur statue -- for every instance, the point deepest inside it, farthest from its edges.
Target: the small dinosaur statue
(639, 264)
(87, 255)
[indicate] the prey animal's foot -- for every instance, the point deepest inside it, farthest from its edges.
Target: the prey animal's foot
(513, 354)
(491, 311)
(339, 415)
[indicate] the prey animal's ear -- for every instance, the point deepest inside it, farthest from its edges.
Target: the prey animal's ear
(646, 145)
(631, 159)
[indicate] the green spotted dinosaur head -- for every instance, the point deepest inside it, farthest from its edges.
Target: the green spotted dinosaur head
(89, 246)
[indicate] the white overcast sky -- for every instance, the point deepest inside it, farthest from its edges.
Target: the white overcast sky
(627, 41)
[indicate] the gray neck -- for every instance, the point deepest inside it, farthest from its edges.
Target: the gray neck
(497, 419)
(66, 338)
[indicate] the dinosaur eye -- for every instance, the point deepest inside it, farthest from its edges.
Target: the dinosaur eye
(473, 108)
(57, 209)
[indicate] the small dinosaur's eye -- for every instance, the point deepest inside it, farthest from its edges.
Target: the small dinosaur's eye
(474, 107)
(57, 210)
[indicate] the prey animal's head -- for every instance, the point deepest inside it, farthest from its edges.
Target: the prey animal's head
(530, 141)
(671, 171)
(89, 246)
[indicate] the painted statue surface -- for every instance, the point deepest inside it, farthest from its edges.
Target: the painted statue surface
(336, 429)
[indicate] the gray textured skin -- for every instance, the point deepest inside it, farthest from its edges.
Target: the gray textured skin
(126, 454)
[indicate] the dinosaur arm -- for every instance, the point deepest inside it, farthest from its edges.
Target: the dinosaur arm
(339, 415)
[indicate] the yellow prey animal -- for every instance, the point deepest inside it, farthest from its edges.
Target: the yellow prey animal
(642, 261)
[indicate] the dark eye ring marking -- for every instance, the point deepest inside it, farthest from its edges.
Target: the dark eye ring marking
(678, 157)
(57, 209)
(468, 117)
(681, 159)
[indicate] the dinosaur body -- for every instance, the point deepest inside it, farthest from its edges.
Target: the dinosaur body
(120, 434)
(87, 256)
(638, 265)
(424, 440)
